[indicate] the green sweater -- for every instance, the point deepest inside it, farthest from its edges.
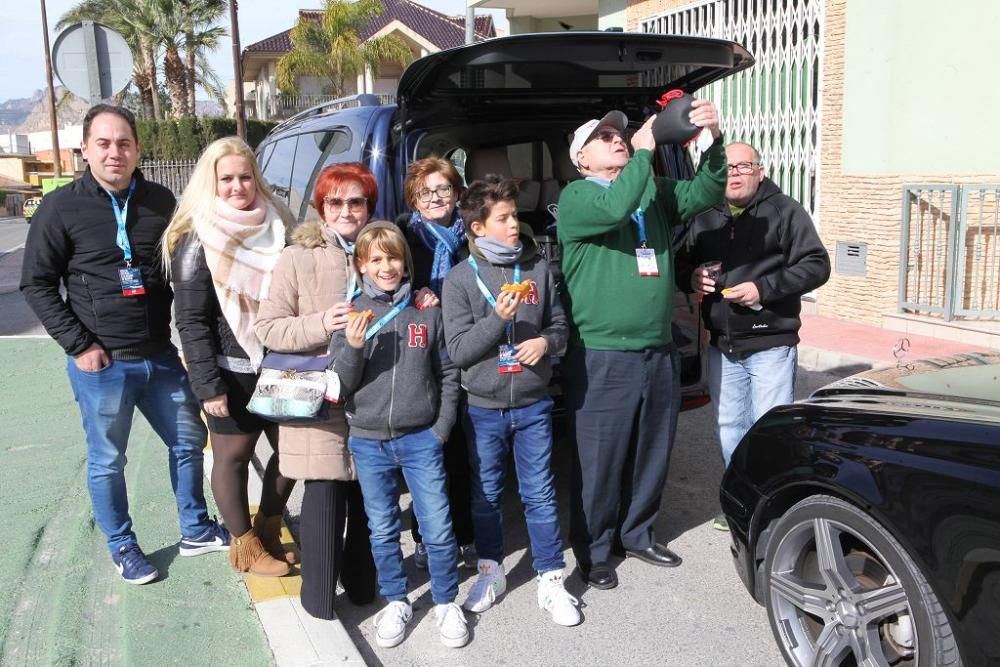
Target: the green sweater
(610, 306)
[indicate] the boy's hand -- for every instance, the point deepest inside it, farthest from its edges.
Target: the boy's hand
(335, 318)
(507, 305)
(355, 332)
(426, 298)
(530, 352)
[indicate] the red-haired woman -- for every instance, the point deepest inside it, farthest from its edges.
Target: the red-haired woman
(311, 289)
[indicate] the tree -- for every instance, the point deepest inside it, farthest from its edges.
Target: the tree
(332, 50)
(200, 33)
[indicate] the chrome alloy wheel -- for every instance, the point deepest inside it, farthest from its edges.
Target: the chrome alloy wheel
(836, 601)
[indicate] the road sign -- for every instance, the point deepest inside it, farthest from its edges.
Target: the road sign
(92, 60)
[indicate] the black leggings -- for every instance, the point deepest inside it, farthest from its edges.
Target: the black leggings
(230, 474)
(333, 530)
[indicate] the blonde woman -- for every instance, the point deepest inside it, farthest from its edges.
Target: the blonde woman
(220, 248)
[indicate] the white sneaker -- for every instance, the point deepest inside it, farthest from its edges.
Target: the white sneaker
(390, 623)
(490, 585)
(555, 599)
(420, 556)
(451, 624)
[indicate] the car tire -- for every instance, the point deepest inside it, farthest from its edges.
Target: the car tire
(857, 596)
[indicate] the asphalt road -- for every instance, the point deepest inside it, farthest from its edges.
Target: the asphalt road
(15, 316)
(696, 615)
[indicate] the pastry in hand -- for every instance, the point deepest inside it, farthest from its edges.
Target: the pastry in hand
(521, 289)
(367, 315)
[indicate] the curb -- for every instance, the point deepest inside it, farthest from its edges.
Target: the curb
(296, 638)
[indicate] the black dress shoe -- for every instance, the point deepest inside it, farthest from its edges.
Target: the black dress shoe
(599, 575)
(655, 555)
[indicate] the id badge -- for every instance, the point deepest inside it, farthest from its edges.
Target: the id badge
(131, 281)
(646, 258)
(507, 363)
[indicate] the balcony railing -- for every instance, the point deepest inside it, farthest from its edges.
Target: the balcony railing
(285, 106)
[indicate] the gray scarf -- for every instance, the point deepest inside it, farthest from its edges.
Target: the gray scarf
(379, 294)
(499, 253)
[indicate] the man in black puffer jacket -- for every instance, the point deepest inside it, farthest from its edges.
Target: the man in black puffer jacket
(98, 237)
(771, 256)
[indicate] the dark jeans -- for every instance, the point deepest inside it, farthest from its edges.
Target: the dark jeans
(528, 432)
(456, 468)
(334, 533)
(623, 408)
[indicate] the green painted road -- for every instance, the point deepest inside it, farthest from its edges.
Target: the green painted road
(61, 600)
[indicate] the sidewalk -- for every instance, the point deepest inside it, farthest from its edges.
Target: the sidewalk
(828, 344)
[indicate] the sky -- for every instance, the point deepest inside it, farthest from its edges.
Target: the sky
(22, 56)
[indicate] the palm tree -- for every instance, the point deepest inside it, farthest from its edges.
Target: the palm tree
(200, 34)
(332, 49)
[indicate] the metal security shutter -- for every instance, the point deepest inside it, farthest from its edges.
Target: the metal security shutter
(775, 105)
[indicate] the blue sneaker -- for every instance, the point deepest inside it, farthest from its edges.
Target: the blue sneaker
(133, 566)
(215, 538)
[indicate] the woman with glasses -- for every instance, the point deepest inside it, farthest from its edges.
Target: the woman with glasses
(436, 234)
(310, 297)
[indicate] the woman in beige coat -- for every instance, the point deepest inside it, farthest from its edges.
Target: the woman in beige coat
(309, 299)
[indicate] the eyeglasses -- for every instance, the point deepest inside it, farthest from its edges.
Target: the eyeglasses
(607, 136)
(743, 168)
(354, 204)
(441, 191)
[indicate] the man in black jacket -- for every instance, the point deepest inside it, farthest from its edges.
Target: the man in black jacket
(771, 256)
(98, 238)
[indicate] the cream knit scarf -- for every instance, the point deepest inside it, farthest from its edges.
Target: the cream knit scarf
(241, 249)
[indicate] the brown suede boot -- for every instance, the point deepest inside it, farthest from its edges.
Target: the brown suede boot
(247, 554)
(268, 528)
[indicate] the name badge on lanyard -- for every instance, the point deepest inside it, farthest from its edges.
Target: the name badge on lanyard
(645, 257)
(130, 276)
(506, 362)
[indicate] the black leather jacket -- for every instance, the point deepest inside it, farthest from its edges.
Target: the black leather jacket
(205, 333)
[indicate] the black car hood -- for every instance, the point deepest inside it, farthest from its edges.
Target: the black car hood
(551, 74)
(967, 383)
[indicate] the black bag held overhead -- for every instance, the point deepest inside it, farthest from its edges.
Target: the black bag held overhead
(672, 125)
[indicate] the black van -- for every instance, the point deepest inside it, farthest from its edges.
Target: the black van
(507, 106)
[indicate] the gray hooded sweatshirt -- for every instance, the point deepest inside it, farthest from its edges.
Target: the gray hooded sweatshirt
(475, 332)
(402, 380)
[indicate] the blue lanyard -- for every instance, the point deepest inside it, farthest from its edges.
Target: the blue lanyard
(490, 299)
(639, 218)
(385, 319)
(121, 216)
(353, 290)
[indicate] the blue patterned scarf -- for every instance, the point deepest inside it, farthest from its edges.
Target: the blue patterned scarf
(444, 241)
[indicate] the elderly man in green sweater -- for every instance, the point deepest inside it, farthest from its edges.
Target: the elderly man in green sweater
(621, 370)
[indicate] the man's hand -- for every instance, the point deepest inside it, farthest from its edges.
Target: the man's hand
(704, 114)
(643, 137)
(93, 359)
(217, 406)
(745, 294)
(530, 352)
(355, 332)
(335, 318)
(426, 298)
(507, 305)
(701, 283)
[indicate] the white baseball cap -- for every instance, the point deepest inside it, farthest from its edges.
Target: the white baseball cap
(613, 119)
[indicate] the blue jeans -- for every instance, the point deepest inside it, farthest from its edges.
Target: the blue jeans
(420, 456)
(492, 435)
(744, 386)
(159, 387)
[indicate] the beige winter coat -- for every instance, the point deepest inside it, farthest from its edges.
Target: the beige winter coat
(310, 277)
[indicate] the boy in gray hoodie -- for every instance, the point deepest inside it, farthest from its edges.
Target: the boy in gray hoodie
(503, 321)
(402, 393)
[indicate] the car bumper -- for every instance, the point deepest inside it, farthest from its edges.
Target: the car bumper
(738, 498)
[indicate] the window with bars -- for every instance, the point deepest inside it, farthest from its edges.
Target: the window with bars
(775, 105)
